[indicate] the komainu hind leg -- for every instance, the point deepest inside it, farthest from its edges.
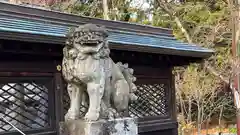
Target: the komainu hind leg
(121, 95)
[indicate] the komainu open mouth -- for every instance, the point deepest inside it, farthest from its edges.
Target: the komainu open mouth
(92, 43)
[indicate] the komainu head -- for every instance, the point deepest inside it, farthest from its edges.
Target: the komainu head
(89, 39)
(87, 35)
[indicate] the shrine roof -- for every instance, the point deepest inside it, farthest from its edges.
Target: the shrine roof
(35, 25)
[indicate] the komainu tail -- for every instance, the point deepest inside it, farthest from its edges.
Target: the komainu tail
(128, 75)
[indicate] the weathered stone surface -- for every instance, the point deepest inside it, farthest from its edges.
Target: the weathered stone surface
(121, 126)
(94, 80)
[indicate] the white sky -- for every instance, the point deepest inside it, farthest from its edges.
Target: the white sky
(140, 3)
(143, 4)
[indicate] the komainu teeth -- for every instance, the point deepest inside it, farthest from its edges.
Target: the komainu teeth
(119, 63)
(125, 65)
(134, 79)
(131, 70)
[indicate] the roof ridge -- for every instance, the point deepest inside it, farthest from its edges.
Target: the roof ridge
(47, 14)
(60, 24)
(144, 34)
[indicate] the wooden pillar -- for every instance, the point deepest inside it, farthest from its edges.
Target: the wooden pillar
(235, 6)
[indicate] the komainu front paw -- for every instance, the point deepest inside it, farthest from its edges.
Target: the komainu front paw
(92, 116)
(112, 113)
(71, 116)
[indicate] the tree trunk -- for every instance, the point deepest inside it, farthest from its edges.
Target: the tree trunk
(235, 12)
(199, 118)
(189, 110)
(184, 31)
(105, 9)
(220, 116)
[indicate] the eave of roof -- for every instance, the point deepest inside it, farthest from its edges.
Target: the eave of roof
(35, 25)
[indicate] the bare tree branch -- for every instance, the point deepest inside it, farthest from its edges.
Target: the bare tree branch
(166, 8)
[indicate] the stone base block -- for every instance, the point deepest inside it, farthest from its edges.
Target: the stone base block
(121, 126)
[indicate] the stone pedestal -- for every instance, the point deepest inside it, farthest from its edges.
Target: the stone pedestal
(121, 126)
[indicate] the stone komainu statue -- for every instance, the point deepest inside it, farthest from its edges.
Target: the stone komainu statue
(93, 78)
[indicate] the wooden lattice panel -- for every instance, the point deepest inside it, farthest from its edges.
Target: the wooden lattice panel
(24, 104)
(66, 102)
(151, 101)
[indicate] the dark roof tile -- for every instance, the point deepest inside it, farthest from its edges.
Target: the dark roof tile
(132, 39)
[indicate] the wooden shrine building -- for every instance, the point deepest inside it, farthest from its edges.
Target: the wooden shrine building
(33, 95)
